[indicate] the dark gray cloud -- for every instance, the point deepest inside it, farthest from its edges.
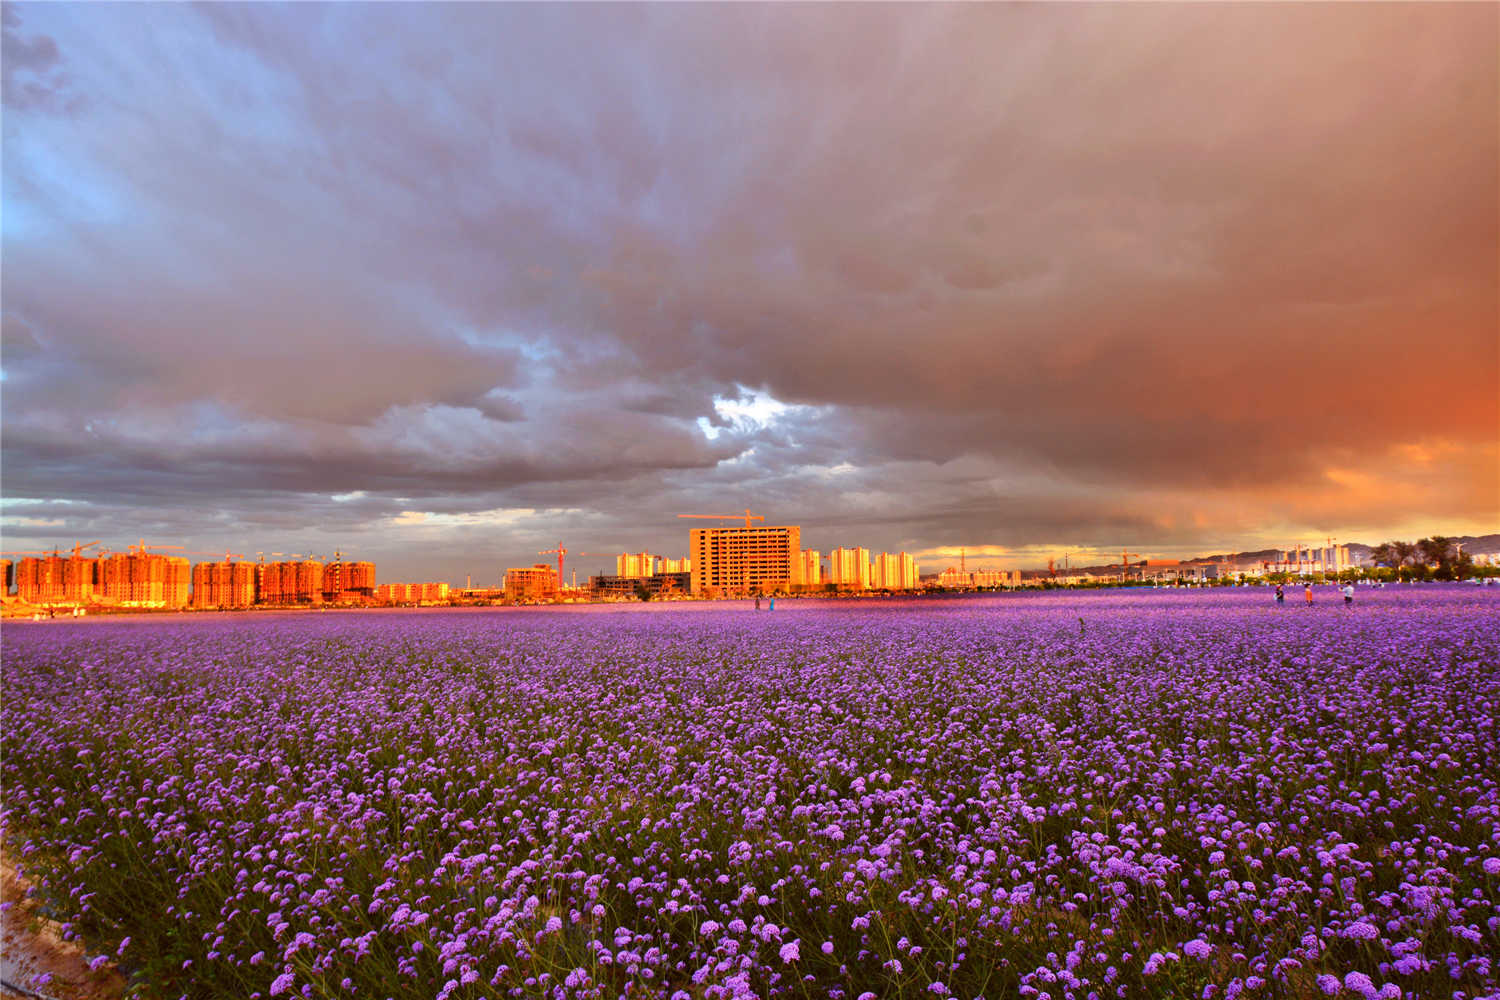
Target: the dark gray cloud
(1171, 275)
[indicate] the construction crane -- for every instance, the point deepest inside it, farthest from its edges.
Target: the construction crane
(86, 545)
(27, 552)
(561, 553)
(1125, 562)
(1051, 567)
(142, 546)
(227, 554)
(728, 517)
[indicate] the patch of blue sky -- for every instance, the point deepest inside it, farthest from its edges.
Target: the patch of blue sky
(752, 410)
(48, 192)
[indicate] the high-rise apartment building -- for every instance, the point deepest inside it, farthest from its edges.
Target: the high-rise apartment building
(849, 568)
(894, 571)
(745, 560)
(6, 574)
(665, 565)
(908, 576)
(39, 579)
(812, 567)
(344, 581)
(289, 582)
(144, 579)
(79, 576)
(226, 584)
(635, 564)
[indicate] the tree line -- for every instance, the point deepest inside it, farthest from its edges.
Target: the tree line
(1437, 558)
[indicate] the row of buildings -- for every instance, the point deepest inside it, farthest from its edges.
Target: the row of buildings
(735, 561)
(978, 579)
(129, 579)
(155, 580)
(771, 558)
(1308, 560)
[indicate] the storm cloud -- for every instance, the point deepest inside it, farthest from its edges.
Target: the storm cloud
(442, 284)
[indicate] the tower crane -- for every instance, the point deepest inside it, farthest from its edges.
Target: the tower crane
(561, 553)
(141, 547)
(728, 517)
(86, 545)
(1125, 562)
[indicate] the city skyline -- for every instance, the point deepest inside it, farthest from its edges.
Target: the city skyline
(444, 286)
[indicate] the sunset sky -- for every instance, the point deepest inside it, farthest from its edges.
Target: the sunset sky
(440, 286)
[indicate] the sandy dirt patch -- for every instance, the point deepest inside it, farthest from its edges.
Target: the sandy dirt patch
(31, 946)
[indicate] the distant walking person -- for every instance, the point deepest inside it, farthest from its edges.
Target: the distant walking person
(1348, 594)
(773, 604)
(757, 602)
(1307, 589)
(1280, 595)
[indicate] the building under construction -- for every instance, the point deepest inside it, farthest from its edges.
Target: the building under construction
(533, 582)
(128, 579)
(655, 585)
(226, 584)
(39, 579)
(144, 579)
(348, 581)
(287, 583)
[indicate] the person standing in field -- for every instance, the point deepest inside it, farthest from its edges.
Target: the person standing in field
(1307, 590)
(1280, 595)
(757, 602)
(1348, 594)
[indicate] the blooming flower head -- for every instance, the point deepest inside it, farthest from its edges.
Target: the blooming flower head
(1360, 983)
(790, 952)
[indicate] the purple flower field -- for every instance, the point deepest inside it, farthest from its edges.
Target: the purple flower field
(1106, 794)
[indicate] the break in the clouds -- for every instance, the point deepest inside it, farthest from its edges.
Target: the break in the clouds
(444, 284)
